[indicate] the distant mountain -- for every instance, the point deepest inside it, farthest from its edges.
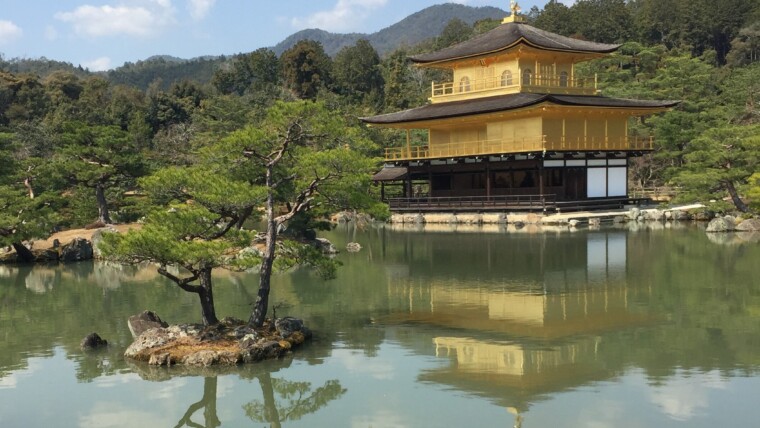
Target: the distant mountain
(331, 42)
(165, 58)
(415, 28)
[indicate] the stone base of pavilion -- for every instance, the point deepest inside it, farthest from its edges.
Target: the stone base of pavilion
(678, 213)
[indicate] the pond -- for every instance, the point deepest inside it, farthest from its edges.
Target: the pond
(424, 327)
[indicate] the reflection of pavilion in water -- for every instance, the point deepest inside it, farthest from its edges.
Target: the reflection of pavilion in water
(513, 340)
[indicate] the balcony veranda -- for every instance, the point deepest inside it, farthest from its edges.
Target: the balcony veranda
(516, 146)
(492, 86)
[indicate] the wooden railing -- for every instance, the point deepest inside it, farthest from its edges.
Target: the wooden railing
(657, 193)
(520, 145)
(544, 203)
(556, 84)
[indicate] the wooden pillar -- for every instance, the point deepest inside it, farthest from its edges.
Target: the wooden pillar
(430, 182)
(382, 191)
(408, 144)
(606, 133)
(488, 177)
(541, 182)
(541, 176)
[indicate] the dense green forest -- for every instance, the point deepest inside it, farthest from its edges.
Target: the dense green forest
(74, 145)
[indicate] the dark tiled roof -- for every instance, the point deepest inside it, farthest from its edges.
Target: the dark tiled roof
(506, 36)
(390, 173)
(506, 103)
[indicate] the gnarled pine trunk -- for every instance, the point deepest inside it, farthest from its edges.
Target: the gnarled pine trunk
(206, 295)
(259, 313)
(100, 195)
(265, 275)
(735, 198)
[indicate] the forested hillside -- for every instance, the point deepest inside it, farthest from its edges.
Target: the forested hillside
(74, 146)
(165, 71)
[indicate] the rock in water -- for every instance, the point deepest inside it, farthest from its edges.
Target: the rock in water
(325, 246)
(721, 224)
(151, 338)
(749, 225)
(353, 247)
(144, 321)
(76, 250)
(92, 341)
(288, 325)
(681, 215)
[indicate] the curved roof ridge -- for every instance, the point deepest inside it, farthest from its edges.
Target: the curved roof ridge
(507, 35)
(568, 42)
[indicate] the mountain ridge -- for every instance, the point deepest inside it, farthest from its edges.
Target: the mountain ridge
(413, 29)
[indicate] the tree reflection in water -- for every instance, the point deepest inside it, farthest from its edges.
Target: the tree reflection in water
(283, 400)
(207, 403)
(295, 399)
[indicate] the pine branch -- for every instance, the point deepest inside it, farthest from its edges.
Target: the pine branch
(183, 283)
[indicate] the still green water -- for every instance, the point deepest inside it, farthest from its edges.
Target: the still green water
(655, 327)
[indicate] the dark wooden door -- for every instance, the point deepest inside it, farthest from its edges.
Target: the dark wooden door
(575, 184)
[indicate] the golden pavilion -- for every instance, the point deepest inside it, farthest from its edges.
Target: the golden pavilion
(516, 128)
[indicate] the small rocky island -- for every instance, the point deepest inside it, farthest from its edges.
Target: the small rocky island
(230, 342)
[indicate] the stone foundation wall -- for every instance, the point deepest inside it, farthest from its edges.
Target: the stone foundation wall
(467, 218)
(572, 219)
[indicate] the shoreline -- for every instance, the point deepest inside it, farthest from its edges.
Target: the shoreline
(681, 213)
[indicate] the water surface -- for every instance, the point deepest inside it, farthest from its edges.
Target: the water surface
(424, 327)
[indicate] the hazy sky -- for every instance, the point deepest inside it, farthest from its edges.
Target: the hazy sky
(103, 34)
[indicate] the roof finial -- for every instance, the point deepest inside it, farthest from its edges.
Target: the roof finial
(514, 6)
(513, 17)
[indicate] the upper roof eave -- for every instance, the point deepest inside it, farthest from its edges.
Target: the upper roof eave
(509, 102)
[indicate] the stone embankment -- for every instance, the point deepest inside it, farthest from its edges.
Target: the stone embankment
(82, 244)
(67, 246)
(683, 213)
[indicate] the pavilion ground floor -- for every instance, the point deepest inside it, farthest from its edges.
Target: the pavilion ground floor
(537, 182)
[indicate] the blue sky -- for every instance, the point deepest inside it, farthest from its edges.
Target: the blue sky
(103, 34)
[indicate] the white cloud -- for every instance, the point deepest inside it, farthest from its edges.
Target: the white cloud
(686, 396)
(100, 64)
(200, 8)
(9, 32)
(11, 380)
(354, 362)
(111, 414)
(142, 18)
(346, 15)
